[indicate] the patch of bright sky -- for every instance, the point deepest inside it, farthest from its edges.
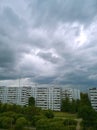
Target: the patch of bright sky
(82, 38)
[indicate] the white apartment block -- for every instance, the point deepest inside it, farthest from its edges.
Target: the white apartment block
(93, 97)
(2, 94)
(49, 98)
(71, 93)
(15, 95)
(45, 97)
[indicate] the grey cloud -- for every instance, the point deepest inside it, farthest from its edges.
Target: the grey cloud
(51, 12)
(44, 80)
(48, 56)
(9, 21)
(10, 17)
(10, 53)
(26, 44)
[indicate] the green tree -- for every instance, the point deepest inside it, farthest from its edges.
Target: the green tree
(31, 111)
(6, 122)
(84, 100)
(73, 106)
(65, 105)
(17, 108)
(31, 101)
(87, 113)
(20, 123)
(89, 117)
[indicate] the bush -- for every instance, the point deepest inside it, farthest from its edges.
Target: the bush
(49, 114)
(35, 119)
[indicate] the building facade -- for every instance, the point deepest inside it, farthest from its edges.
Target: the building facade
(93, 97)
(15, 95)
(49, 98)
(45, 97)
(71, 93)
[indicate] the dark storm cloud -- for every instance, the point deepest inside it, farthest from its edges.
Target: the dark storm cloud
(6, 56)
(9, 26)
(50, 41)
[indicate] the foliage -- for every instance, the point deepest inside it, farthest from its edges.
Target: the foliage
(87, 113)
(84, 100)
(51, 124)
(37, 118)
(10, 113)
(49, 114)
(6, 122)
(20, 123)
(65, 105)
(27, 116)
(89, 125)
(73, 106)
(48, 124)
(31, 101)
(69, 106)
(89, 117)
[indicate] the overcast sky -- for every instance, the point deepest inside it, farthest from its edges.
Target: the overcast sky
(49, 42)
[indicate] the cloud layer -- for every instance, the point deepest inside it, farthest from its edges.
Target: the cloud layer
(49, 42)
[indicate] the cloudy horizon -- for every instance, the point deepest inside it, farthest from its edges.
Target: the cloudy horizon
(49, 42)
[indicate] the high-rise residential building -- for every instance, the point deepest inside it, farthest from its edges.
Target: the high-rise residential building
(15, 95)
(2, 94)
(93, 97)
(45, 97)
(71, 93)
(49, 98)
(12, 95)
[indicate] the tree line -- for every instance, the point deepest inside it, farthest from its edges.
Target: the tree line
(15, 117)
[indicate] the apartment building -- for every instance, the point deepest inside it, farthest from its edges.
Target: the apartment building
(2, 94)
(15, 95)
(49, 98)
(24, 94)
(45, 97)
(93, 97)
(71, 93)
(12, 95)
